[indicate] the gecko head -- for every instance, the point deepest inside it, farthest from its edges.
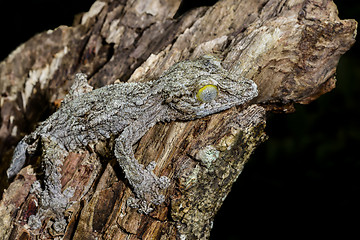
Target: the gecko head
(195, 89)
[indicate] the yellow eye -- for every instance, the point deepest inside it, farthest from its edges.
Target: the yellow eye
(207, 93)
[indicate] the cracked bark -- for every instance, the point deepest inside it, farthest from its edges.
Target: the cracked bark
(289, 48)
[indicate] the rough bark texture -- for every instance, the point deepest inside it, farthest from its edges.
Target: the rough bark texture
(289, 48)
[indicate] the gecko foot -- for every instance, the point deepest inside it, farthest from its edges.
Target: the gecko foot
(148, 190)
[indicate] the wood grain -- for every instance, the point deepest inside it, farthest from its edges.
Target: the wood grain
(289, 48)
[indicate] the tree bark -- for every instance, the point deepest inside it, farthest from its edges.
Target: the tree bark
(289, 48)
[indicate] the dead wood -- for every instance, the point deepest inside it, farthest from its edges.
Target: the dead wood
(289, 48)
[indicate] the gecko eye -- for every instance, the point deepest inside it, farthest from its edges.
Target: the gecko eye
(207, 93)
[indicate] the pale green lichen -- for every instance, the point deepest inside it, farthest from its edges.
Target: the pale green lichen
(208, 155)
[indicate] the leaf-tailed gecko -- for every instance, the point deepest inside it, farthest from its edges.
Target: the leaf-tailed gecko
(186, 91)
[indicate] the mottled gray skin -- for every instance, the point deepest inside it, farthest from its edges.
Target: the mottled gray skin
(125, 111)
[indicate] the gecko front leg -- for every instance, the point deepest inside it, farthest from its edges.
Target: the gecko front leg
(145, 183)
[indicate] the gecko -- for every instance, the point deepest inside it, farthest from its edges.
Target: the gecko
(188, 90)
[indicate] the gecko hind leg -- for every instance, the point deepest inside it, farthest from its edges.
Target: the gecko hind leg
(27, 146)
(18, 159)
(52, 201)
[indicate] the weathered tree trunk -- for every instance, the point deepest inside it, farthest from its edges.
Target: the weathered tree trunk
(289, 48)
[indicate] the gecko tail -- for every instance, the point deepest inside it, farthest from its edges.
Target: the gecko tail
(18, 159)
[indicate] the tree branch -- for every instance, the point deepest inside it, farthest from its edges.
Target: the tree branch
(289, 48)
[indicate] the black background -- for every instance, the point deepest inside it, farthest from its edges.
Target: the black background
(304, 181)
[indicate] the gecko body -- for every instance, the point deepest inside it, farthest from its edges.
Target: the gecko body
(186, 91)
